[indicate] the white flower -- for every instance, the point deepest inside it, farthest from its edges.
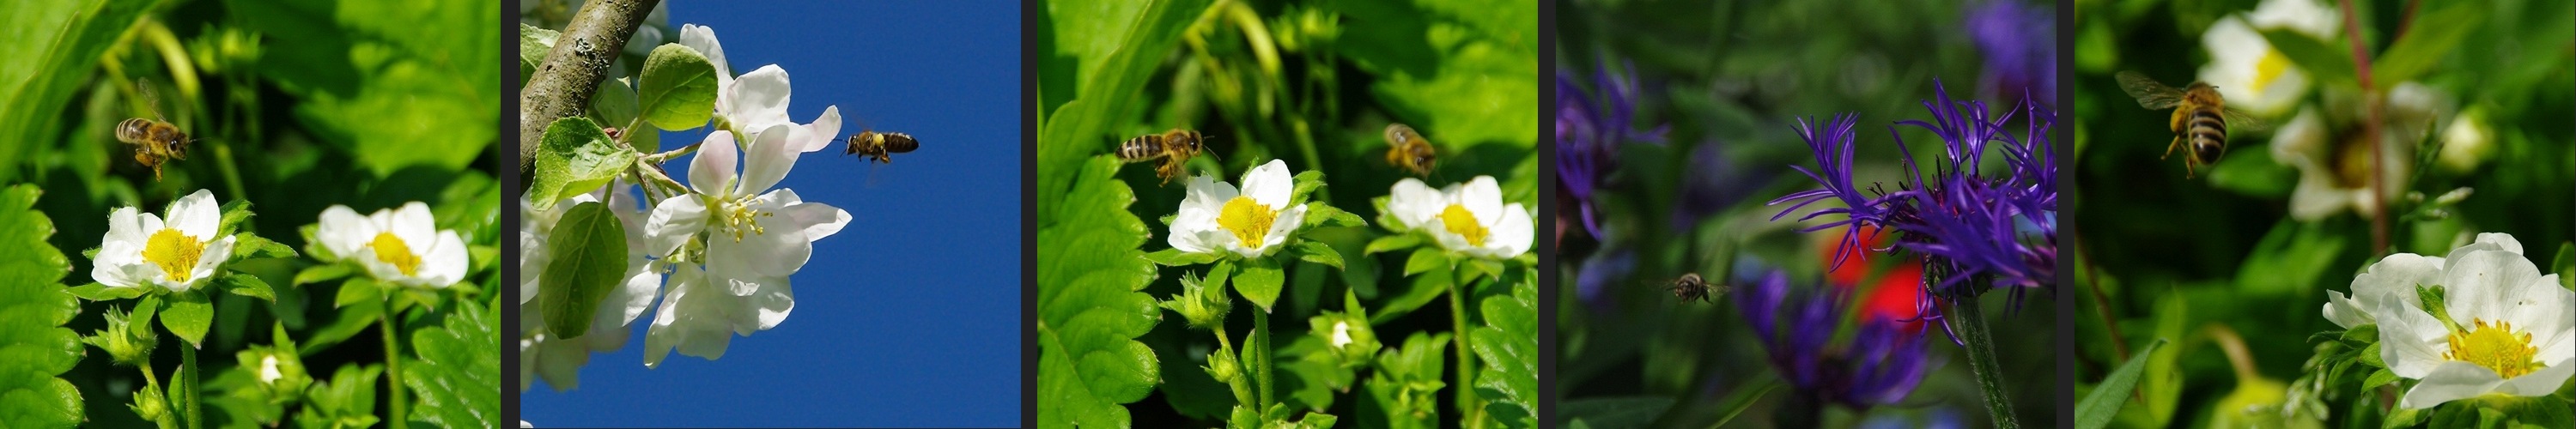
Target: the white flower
(1469, 218)
(399, 246)
(2508, 328)
(559, 360)
(2247, 70)
(268, 373)
(2334, 161)
(1341, 333)
(1252, 223)
(758, 100)
(2467, 142)
(753, 242)
(142, 249)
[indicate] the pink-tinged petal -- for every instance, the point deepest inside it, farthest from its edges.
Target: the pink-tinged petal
(673, 222)
(712, 172)
(771, 155)
(2448, 382)
(759, 99)
(196, 215)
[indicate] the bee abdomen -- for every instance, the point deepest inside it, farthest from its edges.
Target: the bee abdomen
(2207, 125)
(899, 142)
(1141, 148)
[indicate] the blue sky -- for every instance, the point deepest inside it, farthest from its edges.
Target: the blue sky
(911, 315)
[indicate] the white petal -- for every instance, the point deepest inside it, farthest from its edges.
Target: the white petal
(343, 231)
(818, 220)
(2450, 381)
(196, 215)
(2410, 340)
(770, 304)
(445, 261)
(759, 99)
(1269, 184)
(2393, 277)
(2344, 312)
(2538, 383)
(1186, 227)
(703, 39)
(643, 284)
(768, 159)
(673, 222)
(124, 225)
(712, 172)
(1513, 235)
(2492, 286)
(118, 271)
(688, 321)
(211, 257)
(820, 134)
(1413, 203)
(415, 226)
(1206, 193)
(2501, 241)
(1484, 199)
(1283, 227)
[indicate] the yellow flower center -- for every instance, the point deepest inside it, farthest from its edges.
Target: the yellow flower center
(2269, 68)
(2496, 347)
(1459, 221)
(174, 251)
(392, 250)
(1247, 219)
(739, 217)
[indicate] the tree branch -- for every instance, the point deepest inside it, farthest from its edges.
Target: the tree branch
(563, 83)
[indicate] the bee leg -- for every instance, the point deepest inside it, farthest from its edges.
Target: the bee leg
(2169, 147)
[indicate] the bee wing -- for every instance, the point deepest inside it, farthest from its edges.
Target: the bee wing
(2240, 122)
(2151, 94)
(151, 101)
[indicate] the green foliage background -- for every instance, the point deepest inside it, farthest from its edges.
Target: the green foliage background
(299, 105)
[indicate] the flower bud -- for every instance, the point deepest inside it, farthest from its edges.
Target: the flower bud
(1202, 305)
(129, 344)
(279, 371)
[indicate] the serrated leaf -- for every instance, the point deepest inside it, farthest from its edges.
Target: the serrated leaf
(1090, 304)
(1318, 252)
(456, 381)
(2104, 402)
(1101, 57)
(1507, 349)
(1426, 259)
(234, 213)
(534, 43)
(247, 285)
(35, 348)
(246, 246)
(1320, 214)
(678, 89)
(1392, 243)
(574, 157)
(1260, 280)
(189, 315)
(1305, 183)
(588, 254)
(101, 292)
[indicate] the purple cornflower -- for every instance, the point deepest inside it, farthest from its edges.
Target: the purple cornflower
(1879, 366)
(2019, 42)
(1973, 231)
(1588, 133)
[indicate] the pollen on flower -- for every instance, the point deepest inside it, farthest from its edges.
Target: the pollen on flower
(740, 218)
(2268, 68)
(1459, 221)
(2494, 346)
(175, 252)
(1249, 220)
(391, 250)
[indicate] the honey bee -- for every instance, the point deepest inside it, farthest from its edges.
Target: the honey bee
(1173, 147)
(1408, 150)
(155, 140)
(2200, 117)
(1690, 287)
(872, 144)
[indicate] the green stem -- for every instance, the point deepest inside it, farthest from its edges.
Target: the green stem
(188, 386)
(1260, 352)
(393, 368)
(1971, 324)
(1467, 409)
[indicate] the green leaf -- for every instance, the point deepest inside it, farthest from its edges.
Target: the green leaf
(247, 285)
(348, 400)
(1392, 243)
(352, 318)
(1743, 399)
(1426, 259)
(2103, 403)
(391, 84)
(188, 314)
(1507, 346)
(247, 246)
(358, 291)
(1623, 412)
(534, 44)
(101, 292)
(1462, 72)
(1320, 214)
(321, 273)
(456, 381)
(54, 48)
(614, 104)
(234, 213)
(2253, 173)
(2331, 66)
(588, 250)
(2431, 37)
(678, 89)
(1306, 183)
(1176, 257)
(1090, 305)
(35, 348)
(2565, 266)
(1260, 281)
(574, 157)
(1318, 252)
(1095, 64)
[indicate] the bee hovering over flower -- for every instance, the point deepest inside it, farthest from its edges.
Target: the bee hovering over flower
(1407, 150)
(872, 144)
(154, 140)
(2200, 117)
(1173, 147)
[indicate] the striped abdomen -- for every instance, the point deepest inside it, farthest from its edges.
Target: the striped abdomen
(1141, 148)
(899, 142)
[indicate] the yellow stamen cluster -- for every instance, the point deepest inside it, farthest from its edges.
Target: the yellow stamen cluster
(2269, 68)
(2494, 346)
(739, 217)
(392, 250)
(1459, 221)
(174, 251)
(1247, 219)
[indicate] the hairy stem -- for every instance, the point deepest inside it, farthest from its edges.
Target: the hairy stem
(564, 81)
(1260, 352)
(393, 367)
(188, 386)
(1467, 409)
(1970, 322)
(2370, 133)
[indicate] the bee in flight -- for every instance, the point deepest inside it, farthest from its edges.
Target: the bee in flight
(1690, 287)
(2200, 117)
(1408, 150)
(155, 140)
(1173, 147)
(872, 144)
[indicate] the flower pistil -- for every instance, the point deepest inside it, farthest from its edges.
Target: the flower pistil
(175, 252)
(1249, 220)
(2495, 346)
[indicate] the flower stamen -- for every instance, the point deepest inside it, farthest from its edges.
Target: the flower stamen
(739, 217)
(1459, 221)
(390, 249)
(1249, 220)
(175, 252)
(2495, 346)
